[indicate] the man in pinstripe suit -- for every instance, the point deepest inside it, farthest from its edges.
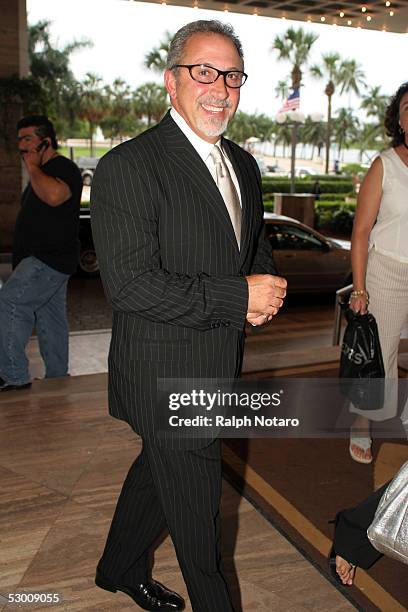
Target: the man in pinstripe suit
(184, 268)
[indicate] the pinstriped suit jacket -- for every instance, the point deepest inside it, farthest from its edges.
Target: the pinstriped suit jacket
(171, 268)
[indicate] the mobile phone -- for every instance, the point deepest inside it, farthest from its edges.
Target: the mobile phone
(44, 144)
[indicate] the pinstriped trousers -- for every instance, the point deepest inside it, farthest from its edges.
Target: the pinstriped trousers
(180, 491)
(387, 285)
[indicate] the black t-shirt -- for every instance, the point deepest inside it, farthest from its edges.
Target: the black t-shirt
(50, 233)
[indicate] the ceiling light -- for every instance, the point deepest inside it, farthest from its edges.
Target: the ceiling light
(369, 17)
(322, 18)
(341, 14)
(363, 9)
(388, 3)
(391, 13)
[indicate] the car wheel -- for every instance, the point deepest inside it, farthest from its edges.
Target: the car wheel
(87, 180)
(88, 261)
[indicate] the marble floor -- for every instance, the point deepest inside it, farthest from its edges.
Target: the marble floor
(62, 462)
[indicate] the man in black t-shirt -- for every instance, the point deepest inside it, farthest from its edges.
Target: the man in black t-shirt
(45, 254)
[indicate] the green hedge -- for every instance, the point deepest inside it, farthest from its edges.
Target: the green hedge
(330, 206)
(332, 196)
(323, 177)
(336, 217)
(271, 186)
(334, 205)
(331, 215)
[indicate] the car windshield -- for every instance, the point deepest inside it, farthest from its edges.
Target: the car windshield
(288, 236)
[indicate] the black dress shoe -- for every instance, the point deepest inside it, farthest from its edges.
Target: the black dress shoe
(5, 386)
(149, 596)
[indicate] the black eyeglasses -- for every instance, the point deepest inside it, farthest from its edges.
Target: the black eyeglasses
(207, 74)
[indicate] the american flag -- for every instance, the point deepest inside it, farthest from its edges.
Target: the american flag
(292, 102)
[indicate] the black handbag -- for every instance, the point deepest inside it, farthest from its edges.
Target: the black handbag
(361, 363)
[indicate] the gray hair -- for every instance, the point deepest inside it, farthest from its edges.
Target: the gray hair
(203, 26)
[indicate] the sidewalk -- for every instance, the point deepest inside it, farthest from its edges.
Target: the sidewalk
(61, 472)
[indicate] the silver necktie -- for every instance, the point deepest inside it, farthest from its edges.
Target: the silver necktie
(228, 191)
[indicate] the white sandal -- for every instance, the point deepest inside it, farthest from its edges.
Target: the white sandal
(363, 444)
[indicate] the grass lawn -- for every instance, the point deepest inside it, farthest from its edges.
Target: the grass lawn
(83, 151)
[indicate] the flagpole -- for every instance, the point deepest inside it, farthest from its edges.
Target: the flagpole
(289, 112)
(295, 126)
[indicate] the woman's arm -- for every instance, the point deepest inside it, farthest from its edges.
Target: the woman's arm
(368, 203)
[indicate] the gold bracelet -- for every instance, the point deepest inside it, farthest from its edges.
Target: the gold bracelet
(360, 292)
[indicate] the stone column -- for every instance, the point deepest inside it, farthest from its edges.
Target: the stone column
(13, 61)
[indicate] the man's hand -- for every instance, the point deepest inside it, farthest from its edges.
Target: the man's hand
(33, 159)
(256, 319)
(266, 294)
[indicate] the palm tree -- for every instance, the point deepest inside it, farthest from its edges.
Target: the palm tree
(156, 59)
(375, 104)
(244, 125)
(294, 46)
(150, 102)
(50, 68)
(345, 130)
(282, 90)
(283, 136)
(120, 120)
(329, 70)
(368, 138)
(93, 104)
(313, 133)
(240, 128)
(46, 61)
(351, 78)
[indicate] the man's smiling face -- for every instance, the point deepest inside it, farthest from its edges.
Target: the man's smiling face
(207, 108)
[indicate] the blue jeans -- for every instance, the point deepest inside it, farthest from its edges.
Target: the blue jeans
(34, 295)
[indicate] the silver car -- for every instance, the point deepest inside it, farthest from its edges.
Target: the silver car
(309, 261)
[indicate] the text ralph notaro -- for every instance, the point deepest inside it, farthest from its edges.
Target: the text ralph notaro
(208, 401)
(232, 422)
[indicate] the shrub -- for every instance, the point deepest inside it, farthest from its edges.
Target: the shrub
(327, 197)
(282, 185)
(269, 205)
(322, 177)
(354, 169)
(334, 205)
(342, 221)
(336, 216)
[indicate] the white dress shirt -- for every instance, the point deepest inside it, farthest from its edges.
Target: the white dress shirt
(204, 149)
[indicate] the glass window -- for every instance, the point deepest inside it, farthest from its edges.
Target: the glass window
(285, 237)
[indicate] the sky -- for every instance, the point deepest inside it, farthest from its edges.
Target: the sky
(122, 33)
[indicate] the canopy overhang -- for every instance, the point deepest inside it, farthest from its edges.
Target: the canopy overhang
(382, 15)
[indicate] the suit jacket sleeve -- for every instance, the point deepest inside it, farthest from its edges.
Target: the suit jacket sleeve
(124, 226)
(263, 262)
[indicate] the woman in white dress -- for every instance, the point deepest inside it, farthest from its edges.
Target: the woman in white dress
(379, 255)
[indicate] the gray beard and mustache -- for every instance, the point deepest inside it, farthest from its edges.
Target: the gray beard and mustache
(213, 126)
